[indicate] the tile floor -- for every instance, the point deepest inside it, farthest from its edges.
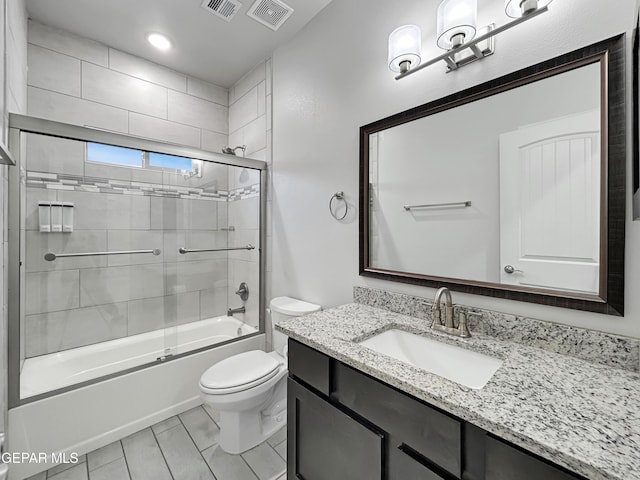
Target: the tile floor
(184, 447)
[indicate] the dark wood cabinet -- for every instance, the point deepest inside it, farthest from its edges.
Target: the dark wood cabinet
(326, 443)
(505, 462)
(344, 424)
(309, 365)
(435, 435)
(405, 463)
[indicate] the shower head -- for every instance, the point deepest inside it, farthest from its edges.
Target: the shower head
(232, 151)
(228, 151)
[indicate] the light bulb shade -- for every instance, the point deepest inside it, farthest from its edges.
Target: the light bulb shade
(404, 46)
(519, 8)
(456, 17)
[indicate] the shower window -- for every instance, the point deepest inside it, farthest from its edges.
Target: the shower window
(109, 154)
(161, 256)
(170, 161)
(128, 157)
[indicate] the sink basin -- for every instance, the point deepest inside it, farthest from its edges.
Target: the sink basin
(459, 365)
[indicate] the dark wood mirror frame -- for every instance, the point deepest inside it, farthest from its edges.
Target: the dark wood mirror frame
(610, 299)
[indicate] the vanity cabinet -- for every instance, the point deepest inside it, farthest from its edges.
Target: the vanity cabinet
(436, 436)
(344, 425)
(505, 462)
(329, 444)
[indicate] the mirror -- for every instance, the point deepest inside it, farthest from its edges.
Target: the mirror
(514, 188)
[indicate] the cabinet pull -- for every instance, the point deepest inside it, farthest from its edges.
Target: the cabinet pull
(424, 461)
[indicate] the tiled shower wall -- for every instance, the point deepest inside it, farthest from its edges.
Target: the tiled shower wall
(79, 81)
(72, 302)
(250, 125)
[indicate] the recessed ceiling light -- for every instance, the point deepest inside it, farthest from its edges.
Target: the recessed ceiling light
(159, 41)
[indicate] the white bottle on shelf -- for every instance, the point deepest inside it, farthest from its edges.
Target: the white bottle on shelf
(44, 216)
(67, 217)
(56, 217)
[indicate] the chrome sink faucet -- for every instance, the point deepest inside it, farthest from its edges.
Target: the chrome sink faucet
(448, 312)
(447, 324)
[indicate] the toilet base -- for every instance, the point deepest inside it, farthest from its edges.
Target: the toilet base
(241, 431)
(249, 417)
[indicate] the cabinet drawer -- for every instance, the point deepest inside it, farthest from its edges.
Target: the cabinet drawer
(310, 366)
(429, 432)
(504, 462)
(402, 466)
(325, 443)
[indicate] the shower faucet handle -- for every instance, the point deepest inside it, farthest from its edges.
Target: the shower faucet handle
(243, 291)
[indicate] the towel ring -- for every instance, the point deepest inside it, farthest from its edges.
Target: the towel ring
(338, 196)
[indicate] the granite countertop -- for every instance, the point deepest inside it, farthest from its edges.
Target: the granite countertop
(581, 415)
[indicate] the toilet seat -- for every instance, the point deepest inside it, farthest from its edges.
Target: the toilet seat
(239, 372)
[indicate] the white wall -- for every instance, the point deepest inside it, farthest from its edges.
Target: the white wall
(332, 78)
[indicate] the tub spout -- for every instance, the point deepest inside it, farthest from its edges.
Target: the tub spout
(231, 311)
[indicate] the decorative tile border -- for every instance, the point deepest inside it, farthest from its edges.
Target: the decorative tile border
(244, 192)
(598, 347)
(78, 183)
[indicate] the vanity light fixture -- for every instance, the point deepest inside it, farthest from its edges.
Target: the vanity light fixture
(159, 41)
(521, 8)
(457, 35)
(456, 22)
(404, 48)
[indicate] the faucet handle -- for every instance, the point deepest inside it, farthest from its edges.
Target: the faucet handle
(463, 330)
(243, 291)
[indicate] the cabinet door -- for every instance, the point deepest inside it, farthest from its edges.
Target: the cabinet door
(429, 432)
(324, 443)
(504, 462)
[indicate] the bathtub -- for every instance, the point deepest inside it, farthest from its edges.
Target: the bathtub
(57, 370)
(108, 410)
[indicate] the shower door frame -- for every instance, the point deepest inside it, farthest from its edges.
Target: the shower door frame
(19, 124)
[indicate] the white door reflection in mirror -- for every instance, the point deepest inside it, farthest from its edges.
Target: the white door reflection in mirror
(550, 204)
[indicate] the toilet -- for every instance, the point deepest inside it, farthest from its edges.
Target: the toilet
(250, 389)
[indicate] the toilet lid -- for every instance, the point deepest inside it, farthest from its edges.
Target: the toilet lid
(240, 371)
(293, 306)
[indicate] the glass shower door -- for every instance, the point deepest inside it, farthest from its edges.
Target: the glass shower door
(127, 256)
(193, 210)
(93, 263)
(205, 241)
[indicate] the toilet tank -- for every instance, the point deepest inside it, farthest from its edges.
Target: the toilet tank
(283, 308)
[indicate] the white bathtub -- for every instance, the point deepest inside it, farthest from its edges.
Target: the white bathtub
(57, 370)
(108, 410)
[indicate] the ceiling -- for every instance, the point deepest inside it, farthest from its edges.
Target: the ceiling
(204, 46)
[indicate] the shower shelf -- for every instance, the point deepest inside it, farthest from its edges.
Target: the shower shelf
(184, 251)
(50, 257)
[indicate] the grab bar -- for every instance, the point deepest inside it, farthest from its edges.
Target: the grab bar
(50, 257)
(436, 205)
(184, 251)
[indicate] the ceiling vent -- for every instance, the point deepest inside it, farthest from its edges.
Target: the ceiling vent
(224, 9)
(270, 13)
